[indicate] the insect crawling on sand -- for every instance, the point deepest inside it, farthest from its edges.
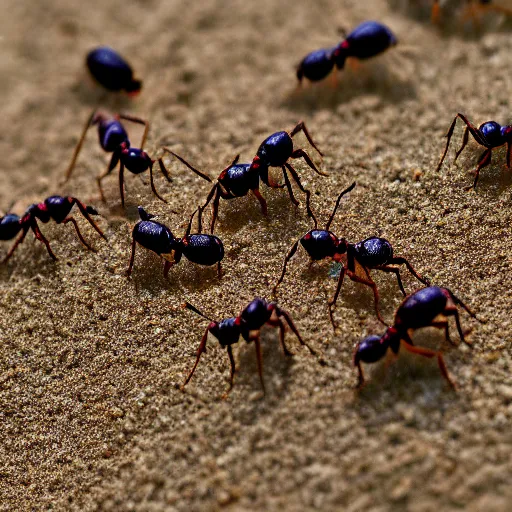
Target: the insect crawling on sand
(111, 71)
(356, 259)
(114, 139)
(237, 180)
(427, 307)
(54, 208)
(490, 135)
(368, 39)
(248, 325)
(198, 247)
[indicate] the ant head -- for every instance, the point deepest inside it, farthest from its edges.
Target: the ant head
(370, 350)
(135, 160)
(506, 133)
(257, 313)
(10, 226)
(319, 244)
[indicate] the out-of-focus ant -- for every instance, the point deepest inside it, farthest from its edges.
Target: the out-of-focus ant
(490, 135)
(237, 180)
(111, 71)
(54, 208)
(428, 307)
(356, 260)
(198, 248)
(368, 39)
(248, 325)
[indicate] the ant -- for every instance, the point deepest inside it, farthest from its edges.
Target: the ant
(237, 180)
(368, 39)
(490, 135)
(199, 248)
(427, 307)
(114, 139)
(54, 207)
(111, 71)
(356, 259)
(248, 325)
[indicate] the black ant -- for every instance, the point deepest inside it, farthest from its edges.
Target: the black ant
(54, 207)
(427, 307)
(114, 139)
(490, 135)
(248, 325)
(237, 180)
(356, 259)
(368, 39)
(199, 248)
(110, 70)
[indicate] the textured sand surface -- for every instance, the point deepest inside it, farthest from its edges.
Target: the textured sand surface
(91, 414)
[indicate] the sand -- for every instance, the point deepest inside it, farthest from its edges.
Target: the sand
(91, 412)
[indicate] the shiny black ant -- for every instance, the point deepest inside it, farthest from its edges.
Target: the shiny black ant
(114, 139)
(199, 248)
(490, 135)
(248, 325)
(356, 259)
(55, 208)
(237, 180)
(427, 307)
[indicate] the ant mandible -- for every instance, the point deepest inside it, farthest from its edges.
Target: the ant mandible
(199, 248)
(368, 39)
(237, 180)
(54, 207)
(356, 260)
(111, 71)
(114, 139)
(490, 135)
(428, 307)
(248, 325)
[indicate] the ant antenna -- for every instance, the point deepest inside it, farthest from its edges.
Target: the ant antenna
(187, 305)
(346, 191)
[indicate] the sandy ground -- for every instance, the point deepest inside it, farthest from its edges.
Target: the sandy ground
(91, 414)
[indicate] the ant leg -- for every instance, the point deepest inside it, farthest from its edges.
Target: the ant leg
(509, 154)
(300, 153)
(431, 353)
(302, 127)
(153, 184)
(287, 258)
(289, 321)
(402, 261)
(281, 326)
(484, 161)
(443, 324)
(332, 302)
(16, 243)
(167, 267)
(232, 371)
(121, 182)
(40, 236)
(368, 282)
(138, 120)
(394, 271)
(132, 258)
(289, 187)
(455, 313)
(360, 377)
(259, 360)
(164, 170)
(465, 140)
(462, 305)
(79, 146)
(215, 209)
(261, 199)
(83, 210)
(475, 132)
(183, 161)
(295, 176)
(200, 350)
(73, 221)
